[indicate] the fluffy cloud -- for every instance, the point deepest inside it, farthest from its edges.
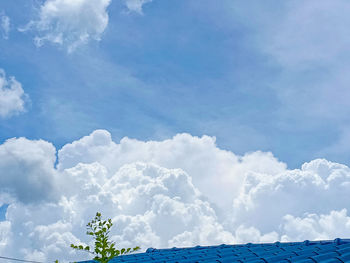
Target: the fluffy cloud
(136, 5)
(318, 187)
(314, 226)
(156, 198)
(70, 22)
(199, 157)
(12, 96)
(143, 199)
(207, 195)
(26, 169)
(5, 26)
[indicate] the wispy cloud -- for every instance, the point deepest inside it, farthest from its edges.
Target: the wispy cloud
(309, 34)
(5, 26)
(136, 5)
(307, 42)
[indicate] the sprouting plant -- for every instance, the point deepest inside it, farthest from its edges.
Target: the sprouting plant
(104, 248)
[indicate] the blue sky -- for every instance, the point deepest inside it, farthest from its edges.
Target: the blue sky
(183, 66)
(95, 94)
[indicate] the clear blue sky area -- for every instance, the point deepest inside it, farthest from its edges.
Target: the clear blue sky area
(246, 73)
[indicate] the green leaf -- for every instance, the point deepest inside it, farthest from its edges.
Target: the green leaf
(104, 249)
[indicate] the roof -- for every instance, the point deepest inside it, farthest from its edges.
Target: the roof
(327, 251)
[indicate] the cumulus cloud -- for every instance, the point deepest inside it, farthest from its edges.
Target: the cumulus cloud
(207, 195)
(198, 156)
(158, 197)
(12, 96)
(26, 169)
(143, 199)
(70, 23)
(136, 5)
(318, 187)
(314, 226)
(5, 26)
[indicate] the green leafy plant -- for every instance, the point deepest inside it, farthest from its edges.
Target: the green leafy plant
(104, 248)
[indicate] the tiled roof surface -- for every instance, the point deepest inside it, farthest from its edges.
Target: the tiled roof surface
(329, 251)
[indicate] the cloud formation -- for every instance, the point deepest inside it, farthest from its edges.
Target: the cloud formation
(27, 171)
(319, 186)
(12, 96)
(70, 23)
(208, 195)
(182, 151)
(317, 227)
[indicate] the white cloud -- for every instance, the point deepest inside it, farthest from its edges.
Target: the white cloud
(318, 187)
(143, 199)
(207, 195)
(136, 5)
(198, 156)
(317, 227)
(26, 169)
(253, 235)
(12, 96)
(5, 232)
(70, 23)
(5, 26)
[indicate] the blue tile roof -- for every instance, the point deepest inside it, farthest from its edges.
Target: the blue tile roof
(327, 251)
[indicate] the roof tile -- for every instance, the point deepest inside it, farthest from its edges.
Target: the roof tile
(326, 251)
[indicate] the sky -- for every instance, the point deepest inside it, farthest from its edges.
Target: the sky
(228, 120)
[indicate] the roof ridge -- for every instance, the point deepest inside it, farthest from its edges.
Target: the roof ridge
(337, 241)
